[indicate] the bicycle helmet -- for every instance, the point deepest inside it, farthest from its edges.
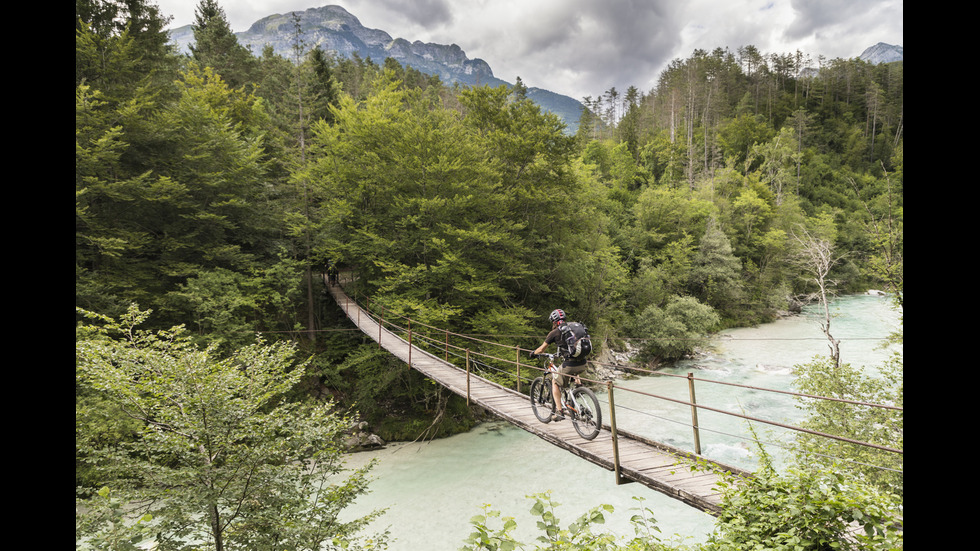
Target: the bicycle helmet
(557, 315)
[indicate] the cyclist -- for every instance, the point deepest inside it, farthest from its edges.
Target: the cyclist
(571, 366)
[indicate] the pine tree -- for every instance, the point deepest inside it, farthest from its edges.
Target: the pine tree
(716, 274)
(216, 46)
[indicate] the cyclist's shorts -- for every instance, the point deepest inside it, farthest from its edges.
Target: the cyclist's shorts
(569, 368)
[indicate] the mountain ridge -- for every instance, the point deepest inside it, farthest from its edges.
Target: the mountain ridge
(340, 33)
(883, 53)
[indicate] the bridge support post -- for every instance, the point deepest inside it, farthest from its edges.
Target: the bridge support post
(615, 436)
(694, 415)
(517, 356)
(467, 377)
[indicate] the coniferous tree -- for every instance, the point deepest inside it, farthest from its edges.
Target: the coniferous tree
(716, 274)
(122, 48)
(216, 46)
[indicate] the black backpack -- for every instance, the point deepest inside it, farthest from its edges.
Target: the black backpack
(575, 336)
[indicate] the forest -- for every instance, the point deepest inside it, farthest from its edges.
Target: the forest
(213, 191)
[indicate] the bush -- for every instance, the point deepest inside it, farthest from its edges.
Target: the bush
(674, 331)
(807, 510)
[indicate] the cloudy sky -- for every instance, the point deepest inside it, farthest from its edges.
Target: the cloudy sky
(584, 47)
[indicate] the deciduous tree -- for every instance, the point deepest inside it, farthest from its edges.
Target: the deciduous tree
(223, 454)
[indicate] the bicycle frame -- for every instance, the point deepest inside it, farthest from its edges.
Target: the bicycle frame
(576, 400)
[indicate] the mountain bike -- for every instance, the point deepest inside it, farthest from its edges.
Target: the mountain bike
(580, 402)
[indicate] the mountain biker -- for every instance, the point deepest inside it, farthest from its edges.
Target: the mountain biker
(570, 366)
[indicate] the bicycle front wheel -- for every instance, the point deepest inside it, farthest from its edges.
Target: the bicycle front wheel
(588, 419)
(541, 402)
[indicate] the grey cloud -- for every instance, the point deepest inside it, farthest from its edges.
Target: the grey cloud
(424, 13)
(818, 17)
(618, 43)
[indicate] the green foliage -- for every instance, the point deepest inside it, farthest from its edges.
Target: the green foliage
(674, 331)
(578, 535)
(878, 426)
(447, 216)
(166, 195)
(716, 271)
(796, 511)
(108, 524)
(121, 47)
(493, 532)
(740, 135)
(665, 216)
(806, 510)
(216, 46)
(221, 456)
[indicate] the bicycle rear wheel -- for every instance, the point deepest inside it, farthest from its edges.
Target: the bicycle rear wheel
(541, 402)
(588, 420)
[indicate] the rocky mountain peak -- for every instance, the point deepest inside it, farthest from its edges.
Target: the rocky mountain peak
(337, 31)
(883, 53)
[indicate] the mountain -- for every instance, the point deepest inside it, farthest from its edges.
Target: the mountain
(883, 53)
(337, 31)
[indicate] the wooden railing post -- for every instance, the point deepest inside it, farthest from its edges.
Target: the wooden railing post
(694, 415)
(467, 377)
(447, 345)
(410, 344)
(615, 436)
(517, 350)
(381, 324)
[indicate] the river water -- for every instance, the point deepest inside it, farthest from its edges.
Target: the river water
(431, 490)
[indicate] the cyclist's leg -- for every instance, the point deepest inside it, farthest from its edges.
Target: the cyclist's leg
(557, 382)
(572, 371)
(567, 368)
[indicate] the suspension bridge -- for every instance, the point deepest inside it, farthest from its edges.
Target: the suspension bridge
(683, 475)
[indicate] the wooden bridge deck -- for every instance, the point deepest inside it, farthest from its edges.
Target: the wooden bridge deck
(667, 470)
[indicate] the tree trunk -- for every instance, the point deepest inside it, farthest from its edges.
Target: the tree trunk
(216, 528)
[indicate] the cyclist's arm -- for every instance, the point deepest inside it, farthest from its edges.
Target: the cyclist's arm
(552, 337)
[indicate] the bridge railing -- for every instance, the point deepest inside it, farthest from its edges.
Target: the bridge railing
(472, 353)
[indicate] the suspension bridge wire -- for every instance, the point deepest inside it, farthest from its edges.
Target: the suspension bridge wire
(780, 445)
(766, 421)
(763, 389)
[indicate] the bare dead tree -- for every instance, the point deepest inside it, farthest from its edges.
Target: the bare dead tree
(817, 258)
